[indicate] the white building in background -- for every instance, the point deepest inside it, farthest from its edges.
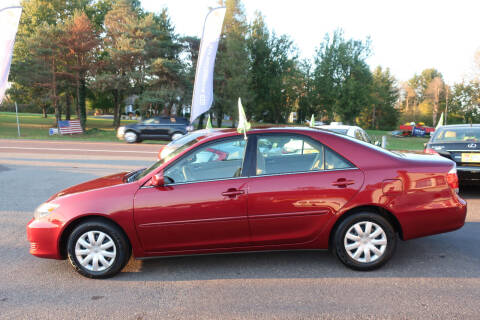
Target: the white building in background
(129, 104)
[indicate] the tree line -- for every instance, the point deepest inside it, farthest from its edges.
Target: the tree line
(71, 56)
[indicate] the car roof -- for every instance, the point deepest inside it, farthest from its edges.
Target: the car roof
(215, 133)
(341, 126)
(463, 125)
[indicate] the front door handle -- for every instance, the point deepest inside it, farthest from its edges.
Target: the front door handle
(342, 183)
(232, 193)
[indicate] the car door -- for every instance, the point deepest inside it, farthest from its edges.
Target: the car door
(298, 185)
(203, 204)
(165, 128)
(150, 127)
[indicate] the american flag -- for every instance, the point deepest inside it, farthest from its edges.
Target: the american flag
(69, 127)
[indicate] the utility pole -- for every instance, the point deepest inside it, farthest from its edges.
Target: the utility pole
(18, 123)
(446, 104)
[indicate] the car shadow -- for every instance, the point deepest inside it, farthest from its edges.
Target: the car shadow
(450, 255)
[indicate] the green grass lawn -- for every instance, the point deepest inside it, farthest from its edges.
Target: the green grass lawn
(34, 126)
(397, 143)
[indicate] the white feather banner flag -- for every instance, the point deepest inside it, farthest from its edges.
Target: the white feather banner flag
(203, 87)
(9, 18)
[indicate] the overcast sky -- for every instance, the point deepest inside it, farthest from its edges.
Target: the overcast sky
(407, 36)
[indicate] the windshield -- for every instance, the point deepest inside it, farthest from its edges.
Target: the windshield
(169, 151)
(460, 134)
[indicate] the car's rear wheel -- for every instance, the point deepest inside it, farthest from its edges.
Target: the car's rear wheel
(131, 137)
(98, 249)
(364, 241)
(177, 135)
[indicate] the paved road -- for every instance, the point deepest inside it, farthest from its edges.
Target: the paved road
(436, 277)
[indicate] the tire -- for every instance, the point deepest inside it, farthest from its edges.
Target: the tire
(116, 251)
(176, 135)
(131, 137)
(357, 250)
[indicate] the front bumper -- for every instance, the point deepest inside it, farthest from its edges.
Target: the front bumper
(43, 236)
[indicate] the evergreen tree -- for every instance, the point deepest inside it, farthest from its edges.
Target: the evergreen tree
(381, 113)
(231, 79)
(342, 79)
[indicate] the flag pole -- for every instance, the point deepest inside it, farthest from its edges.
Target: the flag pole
(18, 123)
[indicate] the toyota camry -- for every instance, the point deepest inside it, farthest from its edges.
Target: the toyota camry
(218, 191)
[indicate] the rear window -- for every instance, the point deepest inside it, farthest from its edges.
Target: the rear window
(461, 134)
(341, 131)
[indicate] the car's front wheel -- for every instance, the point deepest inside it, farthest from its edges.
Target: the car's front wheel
(130, 137)
(98, 249)
(364, 241)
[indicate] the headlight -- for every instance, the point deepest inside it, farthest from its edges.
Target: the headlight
(121, 131)
(45, 209)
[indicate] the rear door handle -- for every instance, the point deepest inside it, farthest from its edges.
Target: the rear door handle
(232, 193)
(342, 183)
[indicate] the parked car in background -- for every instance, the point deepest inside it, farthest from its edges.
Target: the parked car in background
(213, 191)
(157, 128)
(351, 131)
(460, 143)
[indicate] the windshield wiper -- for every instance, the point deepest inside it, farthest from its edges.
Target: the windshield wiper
(134, 175)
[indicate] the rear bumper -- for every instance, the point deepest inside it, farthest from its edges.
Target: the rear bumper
(434, 221)
(43, 236)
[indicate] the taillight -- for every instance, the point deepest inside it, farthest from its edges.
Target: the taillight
(452, 179)
(430, 151)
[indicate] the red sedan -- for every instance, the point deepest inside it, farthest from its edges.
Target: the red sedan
(282, 188)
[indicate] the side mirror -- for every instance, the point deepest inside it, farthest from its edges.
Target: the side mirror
(158, 180)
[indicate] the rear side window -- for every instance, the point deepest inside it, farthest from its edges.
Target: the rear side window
(165, 120)
(334, 161)
(278, 154)
(358, 135)
(181, 120)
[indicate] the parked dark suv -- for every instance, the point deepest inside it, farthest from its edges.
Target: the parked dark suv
(460, 143)
(158, 128)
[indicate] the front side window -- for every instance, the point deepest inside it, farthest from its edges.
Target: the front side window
(219, 160)
(278, 154)
(151, 121)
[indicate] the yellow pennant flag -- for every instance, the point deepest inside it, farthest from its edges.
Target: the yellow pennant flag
(209, 123)
(243, 124)
(312, 121)
(440, 122)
